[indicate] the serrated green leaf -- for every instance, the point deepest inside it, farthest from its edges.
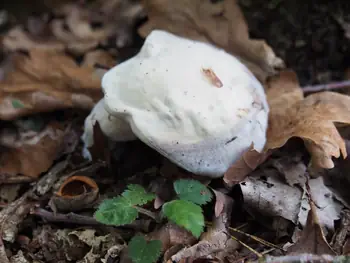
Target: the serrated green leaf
(116, 211)
(137, 195)
(17, 104)
(142, 251)
(192, 190)
(186, 214)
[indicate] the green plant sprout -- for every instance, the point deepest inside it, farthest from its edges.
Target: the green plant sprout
(142, 251)
(17, 104)
(184, 211)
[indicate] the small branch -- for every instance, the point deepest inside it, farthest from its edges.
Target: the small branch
(72, 218)
(329, 86)
(3, 256)
(304, 258)
(148, 213)
(69, 218)
(18, 179)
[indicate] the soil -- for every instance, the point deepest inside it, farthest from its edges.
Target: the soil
(306, 34)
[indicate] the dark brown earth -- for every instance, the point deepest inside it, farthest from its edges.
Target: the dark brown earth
(307, 34)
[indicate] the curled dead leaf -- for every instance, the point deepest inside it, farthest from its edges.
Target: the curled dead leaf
(158, 202)
(220, 23)
(79, 28)
(98, 57)
(171, 235)
(76, 32)
(311, 118)
(220, 200)
(44, 81)
(31, 153)
(76, 193)
(18, 39)
(100, 151)
(249, 161)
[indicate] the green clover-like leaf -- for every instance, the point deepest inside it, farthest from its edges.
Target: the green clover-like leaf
(192, 190)
(137, 195)
(17, 104)
(185, 214)
(116, 211)
(142, 251)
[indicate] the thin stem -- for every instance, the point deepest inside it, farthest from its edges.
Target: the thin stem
(329, 86)
(258, 239)
(148, 213)
(73, 218)
(248, 247)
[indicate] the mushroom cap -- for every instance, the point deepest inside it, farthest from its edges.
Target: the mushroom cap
(194, 103)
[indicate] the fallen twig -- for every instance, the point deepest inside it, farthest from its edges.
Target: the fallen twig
(17, 179)
(329, 86)
(12, 215)
(304, 258)
(248, 247)
(72, 218)
(258, 239)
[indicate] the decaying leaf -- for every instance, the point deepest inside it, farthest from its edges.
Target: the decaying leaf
(170, 235)
(344, 24)
(78, 245)
(340, 236)
(33, 152)
(221, 23)
(312, 239)
(249, 161)
(76, 193)
(311, 118)
(44, 81)
(76, 30)
(220, 199)
(9, 192)
(17, 39)
(19, 258)
(100, 151)
(291, 168)
(79, 28)
(98, 57)
(266, 192)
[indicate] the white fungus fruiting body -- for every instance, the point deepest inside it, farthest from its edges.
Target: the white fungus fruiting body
(115, 129)
(194, 103)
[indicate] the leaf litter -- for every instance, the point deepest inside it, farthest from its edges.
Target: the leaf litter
(54, 65)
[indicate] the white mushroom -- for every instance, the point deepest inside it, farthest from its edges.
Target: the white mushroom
(194, 103)
(115, 129)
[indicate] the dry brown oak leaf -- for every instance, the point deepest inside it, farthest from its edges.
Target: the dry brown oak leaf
(33, 155)
(221, 24)
(311, 118)
(44, 81)
(248, 162)
(312, 239)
